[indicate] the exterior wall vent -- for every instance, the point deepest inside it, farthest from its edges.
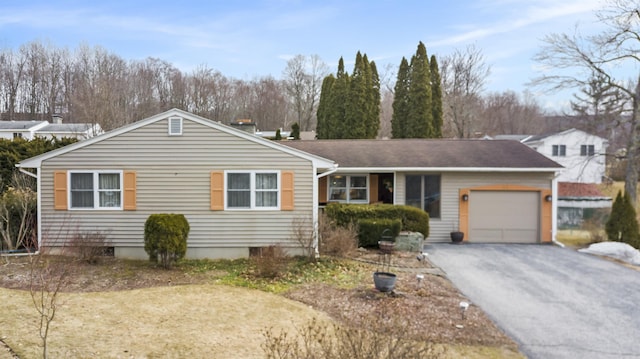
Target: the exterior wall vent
(175, 126)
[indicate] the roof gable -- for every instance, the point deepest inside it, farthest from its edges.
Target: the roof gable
(429, 154)
(36, 161)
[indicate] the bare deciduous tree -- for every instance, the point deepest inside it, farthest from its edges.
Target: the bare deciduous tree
(303, 80)
(463, 74)
(600, 55)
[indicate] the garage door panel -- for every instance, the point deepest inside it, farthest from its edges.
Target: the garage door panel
(504, 216)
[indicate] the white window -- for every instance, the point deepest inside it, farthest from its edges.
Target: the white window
(348, 188)
(175, 126)
(252, 189)
(95, 189)
(587, 150)
(559, 150)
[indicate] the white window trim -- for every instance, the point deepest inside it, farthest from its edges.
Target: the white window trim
(253, 191)
(349, 200)
(96, 192)
(169, 127)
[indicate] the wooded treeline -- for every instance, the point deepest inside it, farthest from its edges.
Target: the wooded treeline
(94, 85)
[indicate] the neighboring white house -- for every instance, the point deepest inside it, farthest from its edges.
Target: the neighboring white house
(20, 129)
(31, 129)
(582, 154)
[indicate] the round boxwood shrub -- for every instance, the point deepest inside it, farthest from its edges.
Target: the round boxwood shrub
(165, 237)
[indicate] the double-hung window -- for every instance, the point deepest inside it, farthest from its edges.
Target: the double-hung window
(559, 150)
(252, 190)
(348, 188)
(95, 189)
(587, 150)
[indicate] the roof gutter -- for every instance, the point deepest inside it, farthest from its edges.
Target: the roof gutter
(448, 169)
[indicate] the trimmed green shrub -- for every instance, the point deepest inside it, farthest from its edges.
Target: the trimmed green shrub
(165, 237)
(413, 219)
(622, 225)
(370, 230)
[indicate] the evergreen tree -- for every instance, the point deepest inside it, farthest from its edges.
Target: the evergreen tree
(349, 106)
(295, 131)
(355, 112)
(436, 98)
(338, 103)
(278, 135)
(373, 123)
(323, 114)
(420, 116)
(401, 101)
(622, 225)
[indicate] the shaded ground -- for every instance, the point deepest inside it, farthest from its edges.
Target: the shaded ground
(429, 308)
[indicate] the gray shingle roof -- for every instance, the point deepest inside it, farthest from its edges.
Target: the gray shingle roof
(18, 125)
(66, 127)
(426, 153)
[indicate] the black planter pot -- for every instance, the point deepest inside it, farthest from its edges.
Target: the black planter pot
(457, 237)
(384, 282)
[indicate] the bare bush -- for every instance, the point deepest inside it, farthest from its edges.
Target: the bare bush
(47, 276)
(89, 246)
(374, 339)
(336, 240)
(595, 232)
(303, 234)
(270, 262)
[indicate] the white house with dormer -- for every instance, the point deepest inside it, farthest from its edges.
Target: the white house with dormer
(582, 154)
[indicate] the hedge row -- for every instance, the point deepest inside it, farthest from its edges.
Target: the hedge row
(413, 219)
(370, 231)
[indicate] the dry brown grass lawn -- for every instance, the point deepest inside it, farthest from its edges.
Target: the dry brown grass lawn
(192, 321)
(119, 309)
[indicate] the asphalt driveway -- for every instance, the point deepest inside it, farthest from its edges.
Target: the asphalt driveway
(555, 302)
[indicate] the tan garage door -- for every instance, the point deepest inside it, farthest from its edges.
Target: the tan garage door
(504, 217)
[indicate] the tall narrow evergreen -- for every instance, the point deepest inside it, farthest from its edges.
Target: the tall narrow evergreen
(401, 101)
(436, 98)
(323, 115)
(373, 123)
(355, 113)
(420, 117)
(338, 103)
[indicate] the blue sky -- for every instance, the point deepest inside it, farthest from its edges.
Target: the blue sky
(249, 38)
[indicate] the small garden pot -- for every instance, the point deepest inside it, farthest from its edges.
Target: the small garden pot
(457, 237)
(384, 281)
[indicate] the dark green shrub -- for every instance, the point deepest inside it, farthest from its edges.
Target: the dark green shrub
(165, 237)
(413, 219)
(622, 225)
(370, 230)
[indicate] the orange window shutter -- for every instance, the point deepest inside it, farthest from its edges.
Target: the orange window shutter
(130, 191)
(286, 191)
(60, 190)
(217, 191)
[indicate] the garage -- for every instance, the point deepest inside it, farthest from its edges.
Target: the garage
(504, 216)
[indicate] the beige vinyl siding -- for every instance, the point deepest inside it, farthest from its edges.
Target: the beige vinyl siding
(173, 175)
(451, 182)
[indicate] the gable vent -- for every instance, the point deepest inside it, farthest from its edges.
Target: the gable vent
(175, 126)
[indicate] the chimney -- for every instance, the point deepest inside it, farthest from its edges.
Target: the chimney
(57, 119)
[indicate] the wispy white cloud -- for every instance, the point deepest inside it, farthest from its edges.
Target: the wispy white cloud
(535, 13)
